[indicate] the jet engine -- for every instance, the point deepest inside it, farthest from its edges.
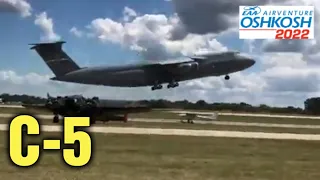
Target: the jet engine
(189, 66)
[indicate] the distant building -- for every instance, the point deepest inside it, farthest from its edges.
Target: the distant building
(1, 101)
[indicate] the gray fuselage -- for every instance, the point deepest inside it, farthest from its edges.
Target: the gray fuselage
(148, 74)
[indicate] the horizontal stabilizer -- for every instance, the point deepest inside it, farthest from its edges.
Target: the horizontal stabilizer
(57, 45)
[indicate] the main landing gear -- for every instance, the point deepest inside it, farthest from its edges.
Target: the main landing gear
(56, 118)
(170, 85)
(227, 77)
(155, 87)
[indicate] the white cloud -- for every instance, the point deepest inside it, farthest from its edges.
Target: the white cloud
(150, 35)
(46, 25)
(75, 31)
(310, 49)
(20, 6)
(128, 13)
(283, 60)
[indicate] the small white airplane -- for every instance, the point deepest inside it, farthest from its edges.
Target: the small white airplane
(191, 116)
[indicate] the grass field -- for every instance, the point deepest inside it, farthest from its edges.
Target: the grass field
(179, 125)
(157, 114)
(142, 157)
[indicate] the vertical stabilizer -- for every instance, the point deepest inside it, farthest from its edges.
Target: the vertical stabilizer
(56, 59)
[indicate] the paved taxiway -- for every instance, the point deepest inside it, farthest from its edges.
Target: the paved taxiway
(226, 123)
(187, 132)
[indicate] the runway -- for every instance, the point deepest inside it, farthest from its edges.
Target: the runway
(10, 106)
(187, 132)
(203, 133)
(226, 123)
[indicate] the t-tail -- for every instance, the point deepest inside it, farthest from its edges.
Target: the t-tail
(56, 59)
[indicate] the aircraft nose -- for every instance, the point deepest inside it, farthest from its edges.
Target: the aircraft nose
(250, 62)
(246, 61)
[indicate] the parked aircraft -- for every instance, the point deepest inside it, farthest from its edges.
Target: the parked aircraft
(191, 116)
(96, 109)
(136, 75)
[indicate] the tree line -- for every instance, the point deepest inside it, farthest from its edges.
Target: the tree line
(311, 105)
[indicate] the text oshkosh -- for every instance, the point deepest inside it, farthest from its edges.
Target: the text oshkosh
(276, 22)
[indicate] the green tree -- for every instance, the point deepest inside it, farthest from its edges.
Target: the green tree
(312, 105)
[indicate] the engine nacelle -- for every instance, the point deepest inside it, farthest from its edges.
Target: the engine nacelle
(189, 66)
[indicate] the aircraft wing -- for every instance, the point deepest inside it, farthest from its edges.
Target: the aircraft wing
(202, 117)
(209, 116)
(197, 58)
(173, 61)
(171, 66)
(192, 112)
(189, 62)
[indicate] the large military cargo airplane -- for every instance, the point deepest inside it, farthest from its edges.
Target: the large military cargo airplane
(95, 108)
(136, 75)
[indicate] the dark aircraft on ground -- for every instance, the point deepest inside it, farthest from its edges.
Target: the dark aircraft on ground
(136, 75)
(96, 109)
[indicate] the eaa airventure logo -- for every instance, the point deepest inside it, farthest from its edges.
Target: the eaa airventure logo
(276, 22)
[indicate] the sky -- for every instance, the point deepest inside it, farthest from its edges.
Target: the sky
(112, 32)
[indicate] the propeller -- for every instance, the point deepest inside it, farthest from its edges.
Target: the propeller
(58, 102)
(75, 102)
(93, 102)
